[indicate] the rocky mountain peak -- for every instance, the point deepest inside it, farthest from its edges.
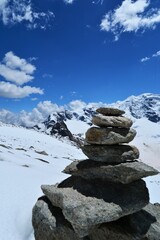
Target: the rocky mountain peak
(143, 106)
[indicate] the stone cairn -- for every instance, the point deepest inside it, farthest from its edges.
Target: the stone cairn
(105, 194)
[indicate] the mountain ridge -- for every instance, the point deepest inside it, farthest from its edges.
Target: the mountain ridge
(136, 107)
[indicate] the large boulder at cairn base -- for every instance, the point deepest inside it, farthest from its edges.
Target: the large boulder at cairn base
(50, 224)
(111, 153)
(109, 121)
(123, 173)
(109, 136)
(110, 111)
(86, 204)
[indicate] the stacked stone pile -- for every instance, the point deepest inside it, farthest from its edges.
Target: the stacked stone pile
(93, 203)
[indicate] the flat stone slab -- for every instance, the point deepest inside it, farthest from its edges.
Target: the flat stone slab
(110, 111)
(111, 121)
(86, 206)
(81, 211)
(109, 136)
(124, 173)
(111, 153)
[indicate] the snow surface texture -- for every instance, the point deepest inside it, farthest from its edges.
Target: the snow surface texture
(23, 170)
(29, 158)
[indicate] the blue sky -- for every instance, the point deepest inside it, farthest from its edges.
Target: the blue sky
(63, 50)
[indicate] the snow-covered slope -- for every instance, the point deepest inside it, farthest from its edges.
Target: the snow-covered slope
(28, 159)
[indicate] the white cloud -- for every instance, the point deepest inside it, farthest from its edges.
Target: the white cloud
(18, 11)
(145, 59)
(47, 107)
(130, 16)
(29, 119)
(16, 69)
(9, 90)
(34, 99)
(77, 105)
(13, 61)
(15, 76)
(69, 1)
(157, 54)
(41, 112)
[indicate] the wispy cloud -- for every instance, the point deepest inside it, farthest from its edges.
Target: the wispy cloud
(47, 75)
(34, 99)
(69, 1)
(130, 16)
(157, 54)
(18, 11)
(98, 1)
(145, 59)
(31, 59)
(18, 71)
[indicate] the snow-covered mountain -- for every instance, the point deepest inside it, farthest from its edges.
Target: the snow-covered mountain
(73, 123)
(143, 106)
(67, 124)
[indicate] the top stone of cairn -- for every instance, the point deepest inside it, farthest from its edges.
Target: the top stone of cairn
(110, 111)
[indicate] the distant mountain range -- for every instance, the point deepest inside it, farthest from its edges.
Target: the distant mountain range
(70, 122)
(73, 124)
(143, 106)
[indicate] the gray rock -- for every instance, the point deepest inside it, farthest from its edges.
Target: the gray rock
(123, 173)
(144, 224)
(62, 229)
(153, 232)
(127, 196)
(87, 204)
(49, 222)
(111, 121)
(109, 136)
(81, 211)
(111, 154)
(110, 111)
